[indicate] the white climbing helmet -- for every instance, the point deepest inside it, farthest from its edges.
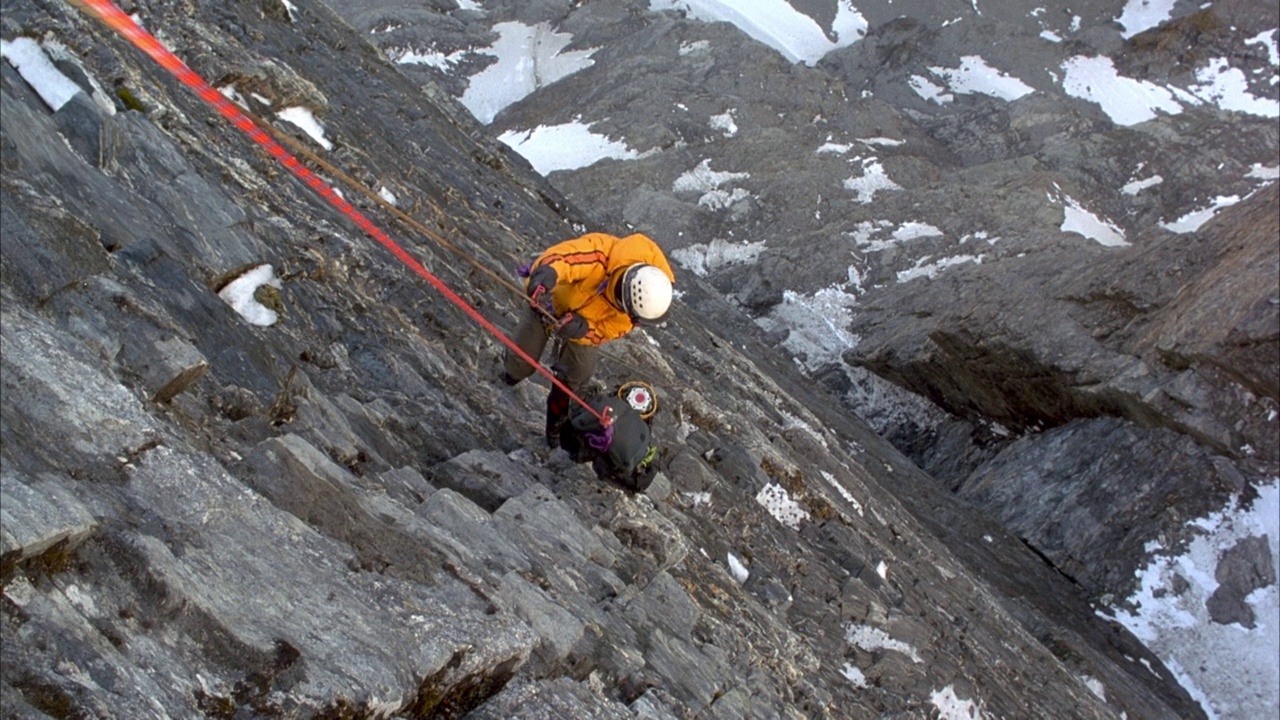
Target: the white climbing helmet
(645, 292)
(640, 396)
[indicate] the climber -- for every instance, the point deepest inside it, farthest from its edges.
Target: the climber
(597, 287)
(620, 453)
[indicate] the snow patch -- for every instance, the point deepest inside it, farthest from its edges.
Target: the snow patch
(781, 506)
(529, 58)
(951, 707)
(724, 123)
(926, 89)
(26, 56)
(932, 269)
(869, 235)
(1267, 39)
(1133, 187)
(777, 24)
(1192, 221)
(974, 75)
(873, 180)
(705, 258)
(1078, 220)
(1141, 15)
(854, 675)
(817, 325)
(305, 121)
(1125, 100)
(871, 639)
(564, 147)
(1227, 87)
(239, 294)
(430, 58)
(707, 181)
(1240, 665)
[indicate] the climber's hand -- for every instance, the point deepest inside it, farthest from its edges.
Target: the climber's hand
(541, 280)
(572, 327)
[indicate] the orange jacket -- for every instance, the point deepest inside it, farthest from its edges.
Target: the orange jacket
(588, 270)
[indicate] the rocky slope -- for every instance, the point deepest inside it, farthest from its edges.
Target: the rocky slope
(1093, 392)
(341, 514)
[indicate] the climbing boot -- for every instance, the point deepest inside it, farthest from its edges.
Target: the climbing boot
(553, 431)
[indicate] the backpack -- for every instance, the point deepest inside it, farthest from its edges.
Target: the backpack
(624, 458)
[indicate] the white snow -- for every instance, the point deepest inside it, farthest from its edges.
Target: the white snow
(1262, 172)
(1095, 686)
(836, 148)
(1078, 220)
(724, 123)
(777, 24)
(869, 235)
(703, 179)
(1194, 219)
(890, 142)
(854, 674)
(239, 295)
(1140, 15)
(952, 707)
(923, 268)
(974, 75)
(1233, 671)
(565, 147)
(528, 58)
(704, 258)
(817, 325)
(430, 58)
(696, 46)
(699, 498)
(291, 9)
(1133, 187)
(849, 498)
(871, 639)
(781, 506)
(26, 56)
(1227, 87)
(707, 181)
(305, 121)
(60, 53)
(739, 571)
(926, 89)
(1125, 100)
(873, 180)
(1129, 102)
(1267, 39)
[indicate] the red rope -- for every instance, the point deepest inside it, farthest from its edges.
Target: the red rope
(144, 41)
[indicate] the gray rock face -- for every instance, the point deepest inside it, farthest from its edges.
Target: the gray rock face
(882, 227)
(343, 515)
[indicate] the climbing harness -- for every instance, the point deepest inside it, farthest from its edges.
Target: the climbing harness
(117, 20)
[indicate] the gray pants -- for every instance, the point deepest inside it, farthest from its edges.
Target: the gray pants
(573, 365)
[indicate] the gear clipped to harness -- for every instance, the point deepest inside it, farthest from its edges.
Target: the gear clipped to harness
(640, 396)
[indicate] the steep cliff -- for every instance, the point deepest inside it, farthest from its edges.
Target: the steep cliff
(1034, 247)
(328, 507)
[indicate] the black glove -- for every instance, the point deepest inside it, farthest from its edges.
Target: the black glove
(541, 280)
(572, 327)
